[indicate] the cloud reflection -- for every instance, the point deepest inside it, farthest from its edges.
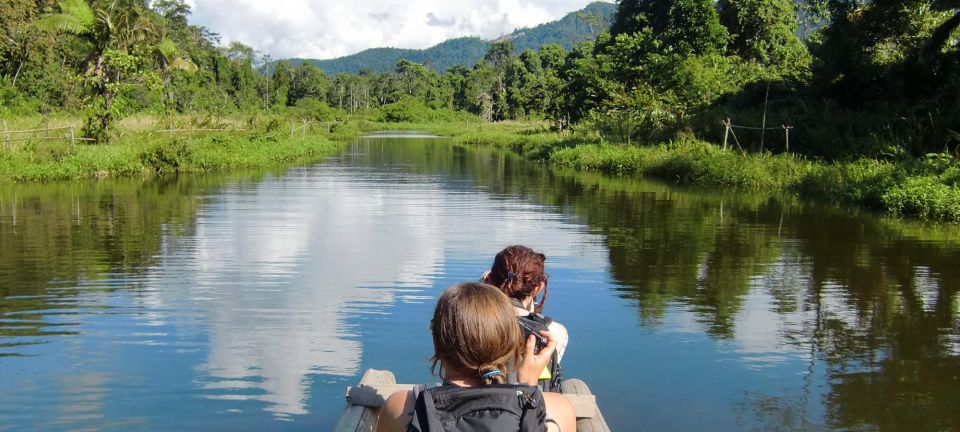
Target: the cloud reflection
(278, 268)
(280, 262)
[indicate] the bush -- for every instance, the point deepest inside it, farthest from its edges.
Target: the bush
(864, 181)
(925, 197)
(315, 109)
(166, 157)
(406, 110)
(344, 130)
(14, 103)
(410, 110)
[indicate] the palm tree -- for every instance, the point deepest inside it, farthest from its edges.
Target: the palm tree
(168, 60)
(113, 28)
(112, 24)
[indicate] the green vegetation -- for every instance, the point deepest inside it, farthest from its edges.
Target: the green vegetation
(870, 91)
(927, 188)
(258, 142)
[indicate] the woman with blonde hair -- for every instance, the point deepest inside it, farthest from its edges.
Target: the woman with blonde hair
(477, 342)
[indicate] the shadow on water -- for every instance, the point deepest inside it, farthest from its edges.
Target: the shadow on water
(52, 236)
(872, 299)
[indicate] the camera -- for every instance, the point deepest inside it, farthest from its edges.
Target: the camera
(539, 340)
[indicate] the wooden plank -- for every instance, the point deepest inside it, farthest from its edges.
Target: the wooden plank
(374, 396)
(360, 418)
(197, 130)
(572, 387)
(39, 130)
(39, 138)
(364, 402)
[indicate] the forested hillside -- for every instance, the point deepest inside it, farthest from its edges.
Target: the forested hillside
(459, 51)
(573, 28)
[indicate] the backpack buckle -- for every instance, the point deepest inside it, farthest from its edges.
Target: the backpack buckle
(526, 399)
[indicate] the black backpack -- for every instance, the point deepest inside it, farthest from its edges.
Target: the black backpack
(533, 324)
(489, 408)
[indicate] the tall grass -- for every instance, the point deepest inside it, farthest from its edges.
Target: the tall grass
(144, 151)
(927, 188)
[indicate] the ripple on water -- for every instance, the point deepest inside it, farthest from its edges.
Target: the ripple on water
(249, 301)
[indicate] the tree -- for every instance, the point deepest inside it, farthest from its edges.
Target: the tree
(765, 31)
(351, 92)
(887, 49)
(456, 80)
(19, 38)
(114, 29)
(168, 60)
(684, 26)
(422, 83)
(174, 11)
(478, 85)
(280, 85)
(234, 72)
(309, 81)
(501, 61)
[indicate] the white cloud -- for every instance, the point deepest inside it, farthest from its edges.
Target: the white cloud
(327, 29)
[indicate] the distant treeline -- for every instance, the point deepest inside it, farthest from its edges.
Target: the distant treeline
(877, 79)
(573, 28)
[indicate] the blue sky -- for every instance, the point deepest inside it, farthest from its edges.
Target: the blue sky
(333, 28)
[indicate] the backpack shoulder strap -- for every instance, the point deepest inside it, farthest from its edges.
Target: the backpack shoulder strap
(425, 416)
(534, 415)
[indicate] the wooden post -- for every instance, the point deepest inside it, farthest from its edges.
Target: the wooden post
(71, 137)
(6, 134)
(786, 131)
(726, 133)
(763, 127)
(736, 140)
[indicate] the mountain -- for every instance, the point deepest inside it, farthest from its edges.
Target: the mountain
(573, 28)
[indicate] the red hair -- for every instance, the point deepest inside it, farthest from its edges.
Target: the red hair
(518, 271)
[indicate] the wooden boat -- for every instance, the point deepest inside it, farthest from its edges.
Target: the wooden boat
(364, 402)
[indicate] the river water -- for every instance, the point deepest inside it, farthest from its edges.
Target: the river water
(249, 301)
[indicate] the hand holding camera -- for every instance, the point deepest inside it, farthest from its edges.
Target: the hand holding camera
(536, 357)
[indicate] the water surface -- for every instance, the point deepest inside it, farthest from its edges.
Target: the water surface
(249, 301)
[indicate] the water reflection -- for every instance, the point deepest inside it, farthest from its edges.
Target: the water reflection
(236, 301)
(875, 311)
(868, 303)
(273, 297)
(254, 284)
(54, 237)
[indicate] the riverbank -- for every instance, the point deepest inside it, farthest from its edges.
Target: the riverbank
(144, 148)
(926, 188)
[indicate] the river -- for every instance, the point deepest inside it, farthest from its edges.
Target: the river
(248, 301)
